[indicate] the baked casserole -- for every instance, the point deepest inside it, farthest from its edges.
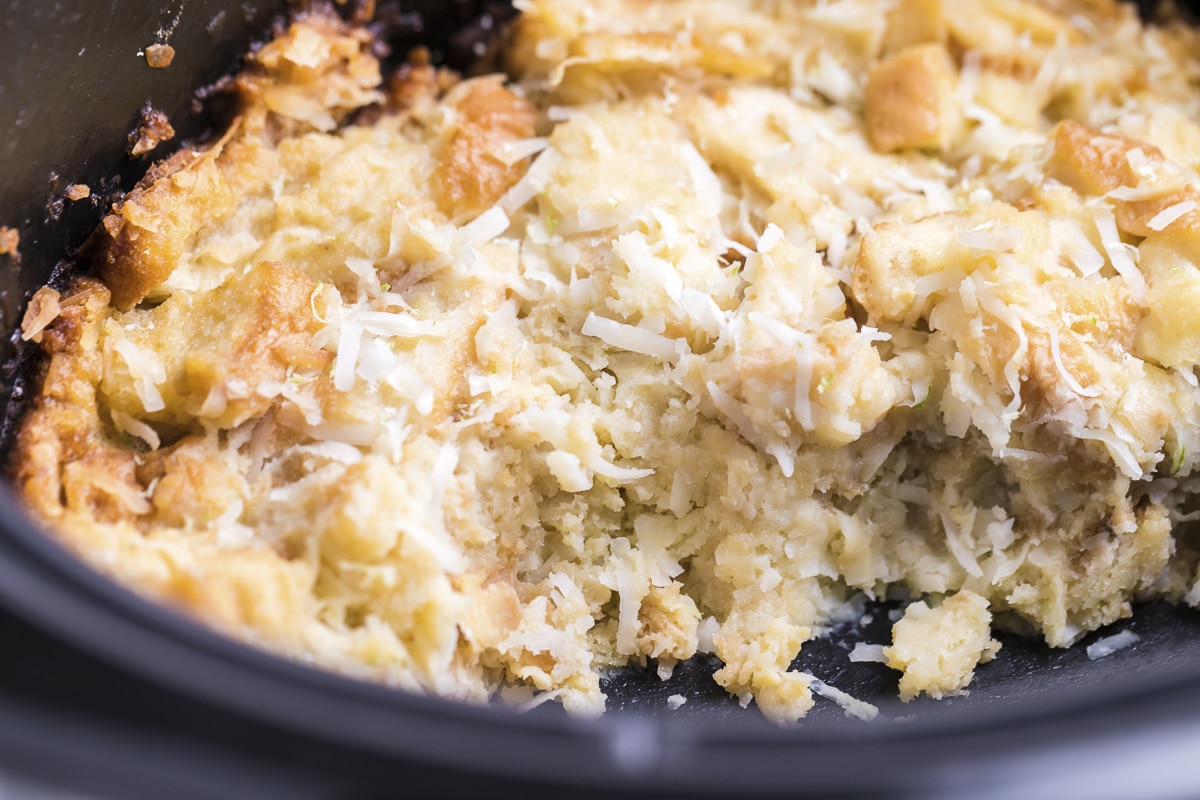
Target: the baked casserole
(700, 322)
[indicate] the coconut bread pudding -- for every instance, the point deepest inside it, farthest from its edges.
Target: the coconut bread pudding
(699, 322)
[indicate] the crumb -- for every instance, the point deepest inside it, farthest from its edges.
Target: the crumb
(10, 240)
(937, 648)
(868, 652)
(1108, 645)
(44, 308)
(675, 701)
(415, 80)
(153, 129)
(160, 56)
(79, 191)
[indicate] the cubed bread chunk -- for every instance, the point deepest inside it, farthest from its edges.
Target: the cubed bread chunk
(910, 100)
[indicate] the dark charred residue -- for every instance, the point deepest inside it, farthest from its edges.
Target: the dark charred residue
(153, 129)
(20, 372)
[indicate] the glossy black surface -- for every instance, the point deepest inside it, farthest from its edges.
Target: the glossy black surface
(102, 691)
(74, 82)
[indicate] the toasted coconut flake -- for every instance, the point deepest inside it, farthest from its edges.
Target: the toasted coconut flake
(43, 309)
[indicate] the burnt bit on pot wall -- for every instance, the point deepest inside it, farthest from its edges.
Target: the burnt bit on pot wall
(475, 45)
(19, 372)
(458, 33)
(153, 129)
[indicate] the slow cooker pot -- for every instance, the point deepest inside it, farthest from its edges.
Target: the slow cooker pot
(105, 692)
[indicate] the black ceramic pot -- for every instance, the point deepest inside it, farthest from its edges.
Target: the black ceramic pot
(130, 700)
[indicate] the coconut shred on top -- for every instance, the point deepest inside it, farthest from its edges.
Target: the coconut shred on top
(702, 320)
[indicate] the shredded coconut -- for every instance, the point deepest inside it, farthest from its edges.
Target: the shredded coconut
(851, 705)
(1108, 645)
(1169, 214)
(630, 337)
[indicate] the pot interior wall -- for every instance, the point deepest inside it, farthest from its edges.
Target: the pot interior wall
(72, 91)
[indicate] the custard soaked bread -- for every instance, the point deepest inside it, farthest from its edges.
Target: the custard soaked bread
(705, 320)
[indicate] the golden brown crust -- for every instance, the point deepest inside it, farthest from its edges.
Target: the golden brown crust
(1098, 163)
(909, 100)
(190, 482)
(1091, 163)
(647, 50)
(1095, 317)
(254, 327)
(417, 81)
(586, 59)
(911, 22)
(139, 244)
(61, 424)
(312, 76)
(102, 484)
(470, 175)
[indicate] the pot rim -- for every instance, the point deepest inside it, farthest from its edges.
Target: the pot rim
(45, 583)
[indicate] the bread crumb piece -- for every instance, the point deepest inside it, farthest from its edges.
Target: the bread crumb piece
(676, 701)
(910, 100)
(153, 129)
(10, 240)
(937, 648)
(79, 191)
(160, 56)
